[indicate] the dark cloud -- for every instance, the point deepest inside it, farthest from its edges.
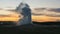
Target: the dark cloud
(49, 12)
(11, 10)
(54, 9)
(40, 8)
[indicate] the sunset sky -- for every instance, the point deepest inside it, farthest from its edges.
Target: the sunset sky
(32, 3)
(35, 4)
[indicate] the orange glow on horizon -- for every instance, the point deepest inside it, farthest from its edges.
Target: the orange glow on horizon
(44, 18)
(14, 16)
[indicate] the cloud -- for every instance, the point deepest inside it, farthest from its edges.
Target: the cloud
(47, 12)
(54, 9)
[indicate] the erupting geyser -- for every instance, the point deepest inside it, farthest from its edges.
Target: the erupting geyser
(25, 11)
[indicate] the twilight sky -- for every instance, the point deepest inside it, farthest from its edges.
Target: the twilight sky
(32, 3)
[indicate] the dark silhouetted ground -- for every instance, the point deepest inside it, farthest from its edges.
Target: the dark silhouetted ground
(31, 28)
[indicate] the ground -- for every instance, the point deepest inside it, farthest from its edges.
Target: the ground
(30, 28)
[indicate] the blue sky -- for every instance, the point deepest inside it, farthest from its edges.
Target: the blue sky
(32, 3)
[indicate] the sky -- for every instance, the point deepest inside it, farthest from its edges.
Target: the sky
(32, 3)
